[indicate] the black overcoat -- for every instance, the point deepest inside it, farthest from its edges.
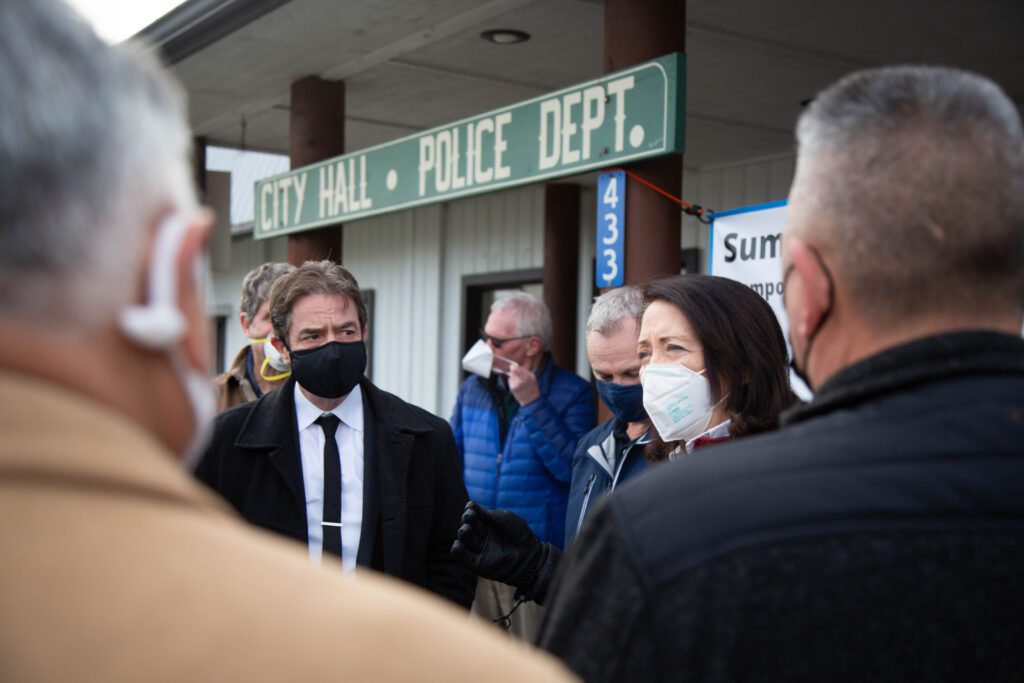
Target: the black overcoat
(413, 492)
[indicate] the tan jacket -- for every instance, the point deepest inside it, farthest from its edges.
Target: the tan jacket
(232, 386)
(117, 566)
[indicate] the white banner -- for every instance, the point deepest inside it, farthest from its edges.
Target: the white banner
(746, 246)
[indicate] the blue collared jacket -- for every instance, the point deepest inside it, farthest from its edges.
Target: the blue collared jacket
(529, 472)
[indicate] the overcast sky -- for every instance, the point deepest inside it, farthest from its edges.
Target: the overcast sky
(117, 20)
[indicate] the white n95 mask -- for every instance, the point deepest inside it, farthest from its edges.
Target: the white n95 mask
(480, 360)
(273, 357)
(677, 399)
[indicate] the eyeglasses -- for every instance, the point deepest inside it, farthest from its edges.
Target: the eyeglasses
(498, 341)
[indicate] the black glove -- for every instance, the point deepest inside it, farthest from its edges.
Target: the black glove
(499, 545)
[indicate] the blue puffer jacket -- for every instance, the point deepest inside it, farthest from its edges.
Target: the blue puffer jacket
(604, 458)
(529, 474)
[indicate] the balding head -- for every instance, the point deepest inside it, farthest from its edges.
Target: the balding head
(911, 181)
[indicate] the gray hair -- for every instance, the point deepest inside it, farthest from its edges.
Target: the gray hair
(913, 179)
(256, 286)
(531, 315)
(614, 306)
(93, 147)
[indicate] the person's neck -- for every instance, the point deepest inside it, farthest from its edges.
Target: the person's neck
(104, 368)
(534, 362)
(849, 339)
(634, 430)
(324, 404)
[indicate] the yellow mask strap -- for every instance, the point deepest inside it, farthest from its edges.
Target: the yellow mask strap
(272, 378)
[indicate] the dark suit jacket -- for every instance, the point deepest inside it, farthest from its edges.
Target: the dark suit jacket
(413, 493)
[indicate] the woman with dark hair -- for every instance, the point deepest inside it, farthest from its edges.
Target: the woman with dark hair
(713, 363)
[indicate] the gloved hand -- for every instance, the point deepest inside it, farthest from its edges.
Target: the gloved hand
(498, 545)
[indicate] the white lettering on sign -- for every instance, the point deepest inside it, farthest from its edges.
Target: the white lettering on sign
(275, 202)
(500, 145)
(338, 185)
(482, 176)
(593, 115)
(611, 211)
(441, 158)
(577, 115)
(618, 90)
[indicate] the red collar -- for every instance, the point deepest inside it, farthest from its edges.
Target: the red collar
(707, 441)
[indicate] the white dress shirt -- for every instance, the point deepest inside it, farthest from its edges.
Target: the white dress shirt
(349, 437)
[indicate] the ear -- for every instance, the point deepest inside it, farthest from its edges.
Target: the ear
(534, 347)
(191, 302)
(281, 349)
(808, 289)
(243, 320)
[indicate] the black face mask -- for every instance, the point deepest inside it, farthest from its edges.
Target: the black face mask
(331, 370)
(797, 370)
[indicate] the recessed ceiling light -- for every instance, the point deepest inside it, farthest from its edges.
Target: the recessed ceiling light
(505, 36)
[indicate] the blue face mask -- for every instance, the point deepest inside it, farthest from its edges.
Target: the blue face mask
(625, 400)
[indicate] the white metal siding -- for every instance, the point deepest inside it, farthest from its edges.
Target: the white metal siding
(414, 261)
(730, 187)
(399, 257)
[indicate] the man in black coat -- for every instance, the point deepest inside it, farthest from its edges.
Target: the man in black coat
(879, 534)
(355, 473)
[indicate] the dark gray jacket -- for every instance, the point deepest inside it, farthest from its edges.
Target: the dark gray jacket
(879, 535)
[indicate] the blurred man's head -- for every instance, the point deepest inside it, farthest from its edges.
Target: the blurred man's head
(254, 308)
(906, 215)
(518, 329)
(99, 231)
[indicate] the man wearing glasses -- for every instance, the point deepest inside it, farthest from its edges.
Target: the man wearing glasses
(516, 425)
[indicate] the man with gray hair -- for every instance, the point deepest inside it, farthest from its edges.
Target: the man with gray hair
(498, 544)
(258, 368)
(516, 427)
(117, 566)
(879, 534)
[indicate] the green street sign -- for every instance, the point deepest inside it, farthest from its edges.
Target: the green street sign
(631, 114)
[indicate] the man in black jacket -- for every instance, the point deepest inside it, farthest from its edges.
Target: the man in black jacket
(355, 473)
(879, 535)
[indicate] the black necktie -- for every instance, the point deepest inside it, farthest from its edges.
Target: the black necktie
(332, 486)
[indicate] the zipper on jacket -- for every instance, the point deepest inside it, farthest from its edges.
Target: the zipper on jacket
(586, 501)
(622, 461)
(501, 456)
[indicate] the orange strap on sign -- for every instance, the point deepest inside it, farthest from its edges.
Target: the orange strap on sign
(695, 210)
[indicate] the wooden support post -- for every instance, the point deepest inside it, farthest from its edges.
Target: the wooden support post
(316, 132)
(561, 267)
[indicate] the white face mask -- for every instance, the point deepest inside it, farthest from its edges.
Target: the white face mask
(480, 360)
(159, 325)
(677, 399)
(273, 357)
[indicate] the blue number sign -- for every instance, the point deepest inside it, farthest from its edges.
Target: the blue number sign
(611, 229)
